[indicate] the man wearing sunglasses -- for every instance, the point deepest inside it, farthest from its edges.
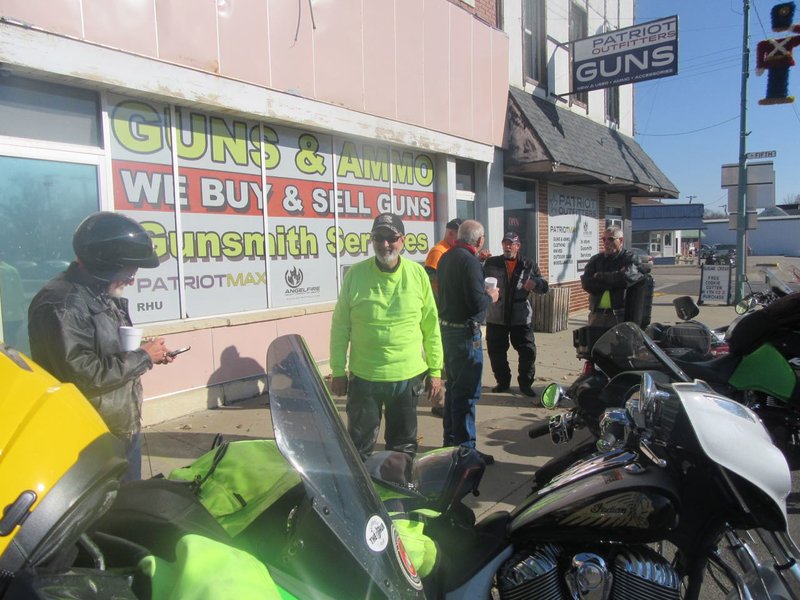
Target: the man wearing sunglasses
(510, 318)
(74, 325)
(607, 276)
(386, 316)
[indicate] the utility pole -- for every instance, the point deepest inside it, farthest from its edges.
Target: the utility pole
(690, 197)
(741, 207)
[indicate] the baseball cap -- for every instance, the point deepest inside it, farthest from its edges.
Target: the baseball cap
(388, 221)
(512, 237)
(454, 224)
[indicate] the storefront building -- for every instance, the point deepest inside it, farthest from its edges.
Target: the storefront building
(570, 163)
(257, 141)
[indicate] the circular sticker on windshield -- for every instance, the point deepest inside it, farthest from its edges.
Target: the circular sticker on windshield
(405, 562)
(376, 534)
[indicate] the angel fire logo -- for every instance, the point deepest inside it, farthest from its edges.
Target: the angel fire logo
(294, 281)
(293, 277)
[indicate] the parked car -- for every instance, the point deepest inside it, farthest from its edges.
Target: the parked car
(718, 254)
(726, 254)
(704, 251)
(645, 259)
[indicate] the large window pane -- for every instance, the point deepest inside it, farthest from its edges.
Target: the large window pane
(41, 204)
(535, 41)
(578, 30)
(48, 111)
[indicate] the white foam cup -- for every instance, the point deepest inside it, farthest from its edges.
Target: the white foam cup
(131, 338)
(490, 283)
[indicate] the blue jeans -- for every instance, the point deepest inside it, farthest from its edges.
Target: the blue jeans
(134, 447)
(463, 364)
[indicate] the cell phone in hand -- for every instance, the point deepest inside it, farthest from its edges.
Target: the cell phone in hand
(175, 353)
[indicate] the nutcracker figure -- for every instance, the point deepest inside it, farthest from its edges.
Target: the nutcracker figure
(775, 55)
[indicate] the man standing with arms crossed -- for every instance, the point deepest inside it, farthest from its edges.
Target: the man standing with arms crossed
(386, 315)
(606, 277)
(463, 302)
(510, 318)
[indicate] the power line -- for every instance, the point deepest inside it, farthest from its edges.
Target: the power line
(688, 132)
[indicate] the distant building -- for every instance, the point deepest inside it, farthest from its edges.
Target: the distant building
(666, 230)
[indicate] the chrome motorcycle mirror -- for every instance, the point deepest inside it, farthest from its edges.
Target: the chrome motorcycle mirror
(551, 397)
(744, 305)
(650, 398)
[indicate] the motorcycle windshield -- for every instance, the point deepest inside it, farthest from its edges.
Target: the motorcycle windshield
(310, 434)
(625, 347)
(775, 283)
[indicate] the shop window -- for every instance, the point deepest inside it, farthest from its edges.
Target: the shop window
(613, 216)
(465, 206)
(519, 206)
(48, 111)
(612, 105)
(42, 203)
(465, 189)
(534, 36)
(578, 30)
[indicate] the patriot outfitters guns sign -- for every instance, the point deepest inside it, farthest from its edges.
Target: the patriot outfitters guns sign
(629, 55)
(261, 215)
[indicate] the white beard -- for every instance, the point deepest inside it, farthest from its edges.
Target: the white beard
(389, 259)
(116, 292)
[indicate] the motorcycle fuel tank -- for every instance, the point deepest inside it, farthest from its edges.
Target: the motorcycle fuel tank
(610, 495)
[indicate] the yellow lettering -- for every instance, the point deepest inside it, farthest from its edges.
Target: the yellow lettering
(198, 135)
(349, 164)
(376, 163)
(137, 127)
(228, 143)
(403, 167)
(354, 244)
(266, 148)
(307, 159)
(423, 170)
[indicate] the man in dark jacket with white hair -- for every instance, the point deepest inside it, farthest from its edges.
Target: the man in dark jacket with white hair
(463, 301)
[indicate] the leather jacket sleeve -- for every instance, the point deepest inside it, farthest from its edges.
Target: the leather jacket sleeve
(74, 334)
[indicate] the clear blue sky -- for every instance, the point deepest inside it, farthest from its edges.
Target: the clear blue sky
(704, 98)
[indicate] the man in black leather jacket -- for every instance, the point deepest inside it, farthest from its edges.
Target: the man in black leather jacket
(606, 277)
(510, 317)
(74, 321)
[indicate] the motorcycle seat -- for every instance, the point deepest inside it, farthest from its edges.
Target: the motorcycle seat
(715, 371)
(438, 478)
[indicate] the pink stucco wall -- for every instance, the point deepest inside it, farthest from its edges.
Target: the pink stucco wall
(424, 62)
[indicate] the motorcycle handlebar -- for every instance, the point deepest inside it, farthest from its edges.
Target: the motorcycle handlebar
(539, 430)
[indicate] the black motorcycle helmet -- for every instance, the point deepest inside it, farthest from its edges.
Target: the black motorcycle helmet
(106, 242)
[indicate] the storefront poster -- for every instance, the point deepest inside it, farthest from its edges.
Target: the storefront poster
(316, 204)
(573, 215)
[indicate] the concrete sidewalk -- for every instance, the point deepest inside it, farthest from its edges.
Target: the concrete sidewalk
(503, 419)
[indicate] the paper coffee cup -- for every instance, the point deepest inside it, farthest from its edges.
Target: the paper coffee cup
(490, 283)
(131, 338)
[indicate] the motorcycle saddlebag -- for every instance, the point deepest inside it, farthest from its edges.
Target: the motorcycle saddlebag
(690, 336)
(639, 302)
(584, 338)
